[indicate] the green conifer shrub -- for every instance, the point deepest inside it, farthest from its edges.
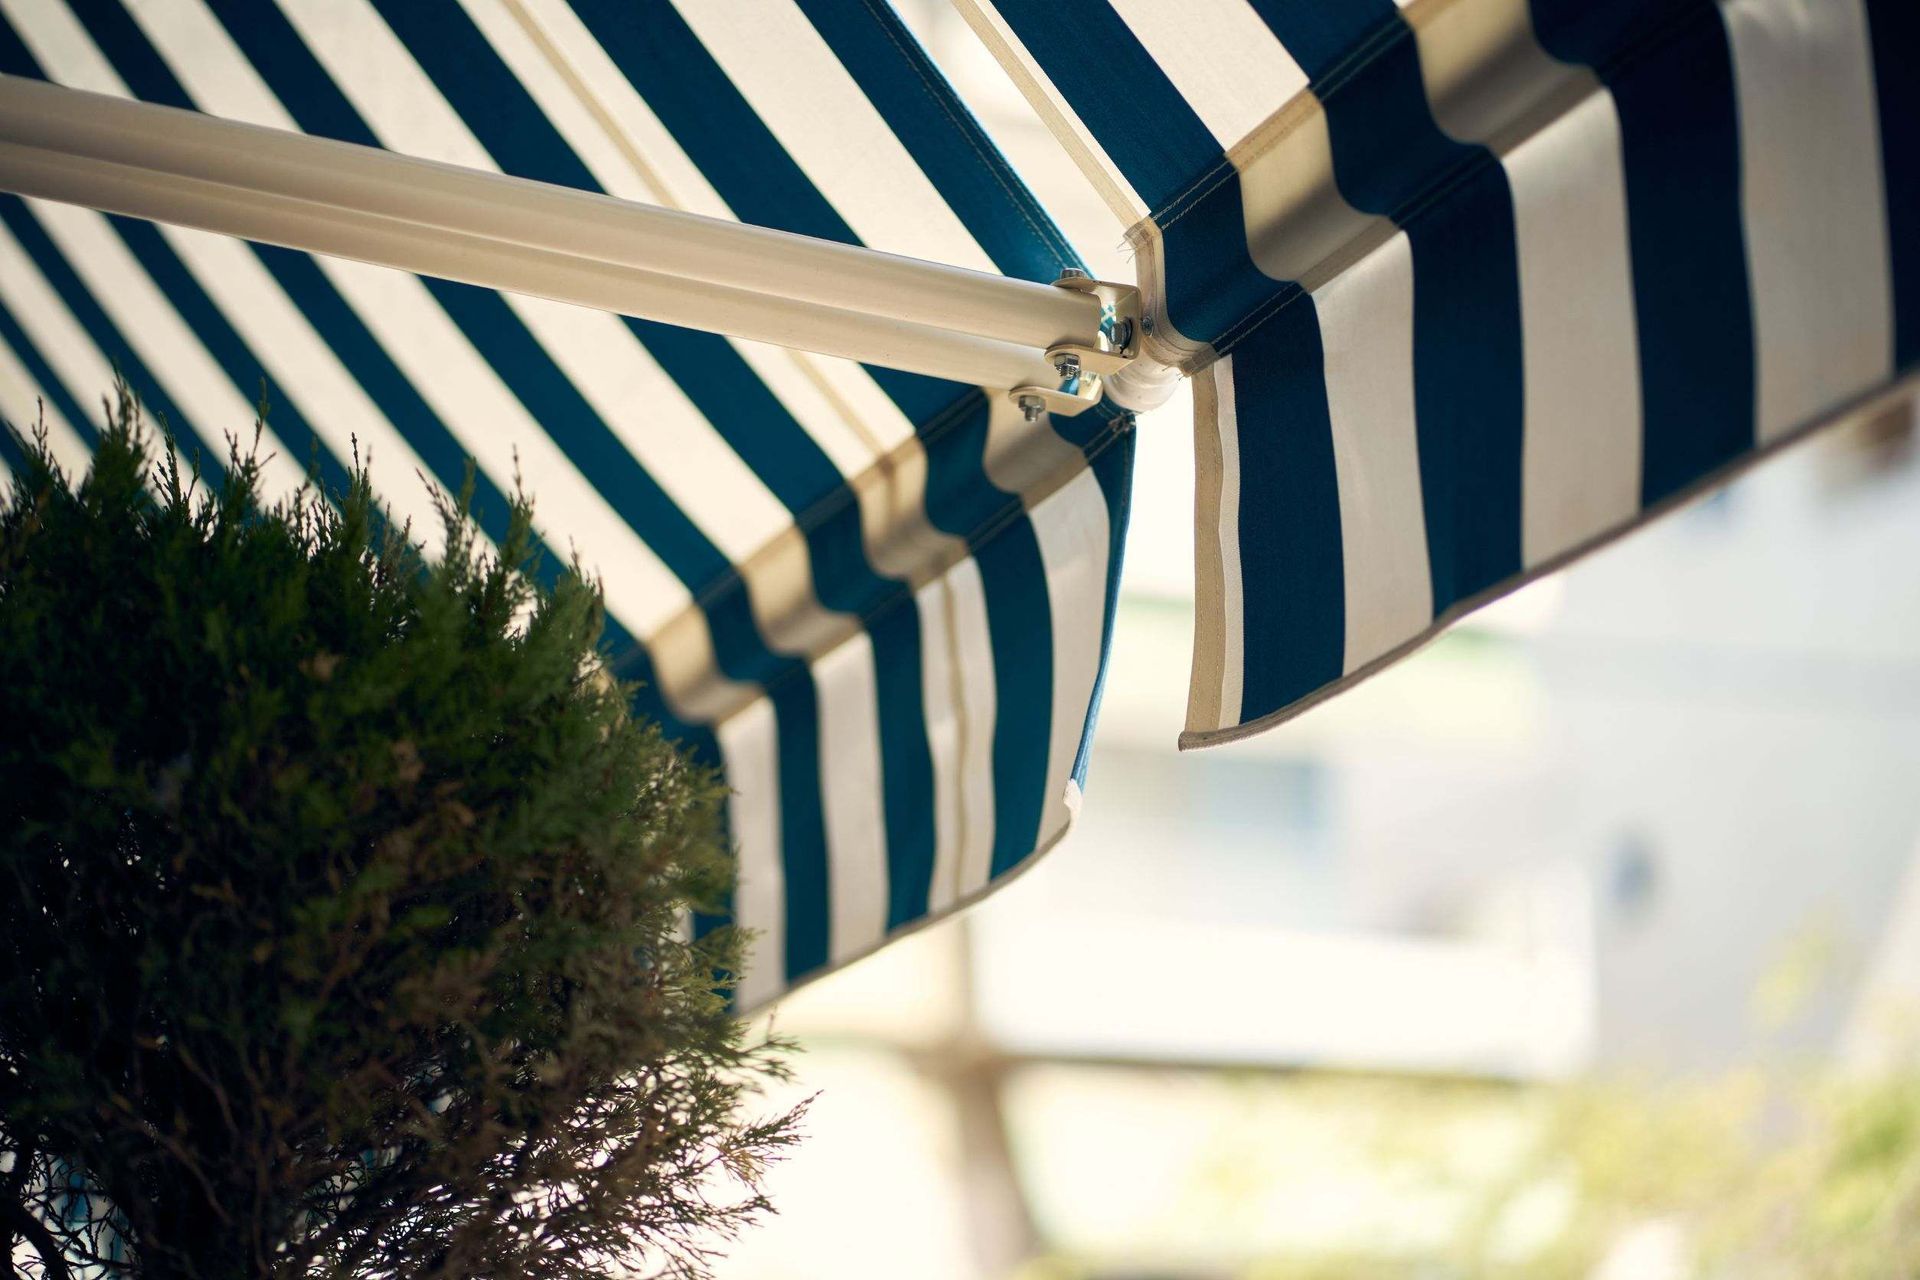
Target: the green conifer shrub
(342, 903)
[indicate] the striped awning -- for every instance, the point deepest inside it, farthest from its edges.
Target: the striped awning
(1472, 286)
(879, 600)
(1466, 288)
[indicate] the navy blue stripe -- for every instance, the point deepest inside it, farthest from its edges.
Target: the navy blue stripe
(319, 107)
(16, 60)
(147, 75)
(945, 140)
(729, 394)
(734, 150)
(499, 335)
(1670, 70)
(1330, 39)
(149, 80)
(12, 434)
(1113, 468)
(1137, 115)
(1468, 384)
(370, 365)
(106, 336)
(1019, 622)
(1014, 576)
(1895, 27)
(44, 377)
(1294, 597)
(296, 77)
(1391, 158)
(231, 352)
(732, 147)
(1167, 154)
(1388, 153)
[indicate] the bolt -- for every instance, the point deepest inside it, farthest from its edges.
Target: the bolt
(1123, 335)
(1031, 407)
(1072, 273)
(1067, 365)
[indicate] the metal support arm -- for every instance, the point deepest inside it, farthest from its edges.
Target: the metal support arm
(536, 238)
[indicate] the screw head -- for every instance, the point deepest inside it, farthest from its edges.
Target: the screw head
(1072, 273)
(1031, 407)
(1067, 365)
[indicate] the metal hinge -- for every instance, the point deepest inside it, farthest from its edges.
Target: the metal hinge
(1081, 367)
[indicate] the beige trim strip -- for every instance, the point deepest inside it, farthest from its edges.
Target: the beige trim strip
(1209, 577)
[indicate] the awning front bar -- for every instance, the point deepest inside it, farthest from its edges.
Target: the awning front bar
(522, 236)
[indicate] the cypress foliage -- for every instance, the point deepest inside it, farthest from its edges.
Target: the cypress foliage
(341, 902)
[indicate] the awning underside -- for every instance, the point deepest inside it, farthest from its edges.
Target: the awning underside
(1473, 286)
(1466, 288)
(877, 599)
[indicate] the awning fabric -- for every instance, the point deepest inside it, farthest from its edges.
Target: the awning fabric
(1466, 288)
(1470, 286)
(881, 602)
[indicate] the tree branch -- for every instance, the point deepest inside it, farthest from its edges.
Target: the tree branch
(52, 1256)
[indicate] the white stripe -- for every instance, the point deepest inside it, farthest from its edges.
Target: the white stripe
(55, 333)
(795, 84)
(945, 728)
(835, 401)
(23, 403)
(1222, 58)
(1232, 608)
(961, 700)
(383, 82)
(301, 362)
(851, 797)
(980, 696)
(1298, 224)
(467, 395)
(1021, 66)
(665, 432)
(1072, 528)
(62, 46)
(1366, 330)
(461, 388)
(1581, 457)
(623, 128)
(1817, 254)
(1026, 458)
(801, 381)
(557, 100)
(171, 352)
(121, 286)
(308, 373)
(1489, 82)
(749, 745)
(644, 408)
(675, 180)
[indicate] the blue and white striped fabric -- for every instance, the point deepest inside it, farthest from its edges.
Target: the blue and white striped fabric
(880, 601)
(1471, 286)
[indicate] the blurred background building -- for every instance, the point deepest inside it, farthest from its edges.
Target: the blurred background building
(1625, 848)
